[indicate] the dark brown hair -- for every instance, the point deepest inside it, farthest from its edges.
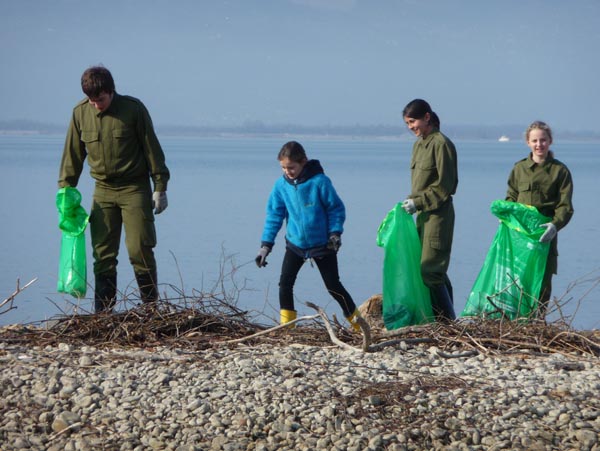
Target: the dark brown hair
(96, 80)
(417, 109)
(294, 151)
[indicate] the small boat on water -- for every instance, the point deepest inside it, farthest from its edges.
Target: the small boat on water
(503, 139)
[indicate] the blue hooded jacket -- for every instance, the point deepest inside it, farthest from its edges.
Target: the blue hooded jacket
(311, 208)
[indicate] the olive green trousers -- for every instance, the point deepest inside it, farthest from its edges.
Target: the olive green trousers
(117, 207)
(436, 231)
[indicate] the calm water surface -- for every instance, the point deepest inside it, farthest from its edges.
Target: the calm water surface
(217, 197)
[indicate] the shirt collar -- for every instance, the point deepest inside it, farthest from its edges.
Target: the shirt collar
(548, 161)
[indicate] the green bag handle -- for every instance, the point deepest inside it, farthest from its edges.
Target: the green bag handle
(72, 217)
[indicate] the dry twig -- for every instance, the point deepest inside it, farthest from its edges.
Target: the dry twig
(9, 300)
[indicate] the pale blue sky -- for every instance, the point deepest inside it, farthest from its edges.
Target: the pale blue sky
(311, 62)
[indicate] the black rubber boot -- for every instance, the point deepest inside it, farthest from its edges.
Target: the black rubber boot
(441, 303)
(148, 288)
(105, 293)
(450, 289)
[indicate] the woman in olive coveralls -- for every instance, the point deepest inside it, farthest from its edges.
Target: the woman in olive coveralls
(434, 178)
(544, 182)
(116, 135)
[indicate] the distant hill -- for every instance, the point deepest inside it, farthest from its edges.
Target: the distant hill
(258, 128)
(23, 126)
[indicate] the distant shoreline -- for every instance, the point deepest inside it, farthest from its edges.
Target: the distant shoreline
(291, 131)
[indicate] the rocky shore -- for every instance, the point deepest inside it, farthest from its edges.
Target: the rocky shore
(294, 397)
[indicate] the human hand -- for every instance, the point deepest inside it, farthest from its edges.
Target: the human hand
(261, 258)
(335, 242)
(159, 201)
(409, 206)
(550, 232)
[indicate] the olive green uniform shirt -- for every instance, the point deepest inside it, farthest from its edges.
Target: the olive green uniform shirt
(547, 186)
(434, 176)
(434, 171)
(120, 145)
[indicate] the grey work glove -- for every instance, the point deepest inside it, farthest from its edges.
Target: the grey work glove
(409, 206)
(159, 201)
(261, 258)
(335, 242)
(550, 232)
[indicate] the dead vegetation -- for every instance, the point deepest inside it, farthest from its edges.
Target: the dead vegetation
(200, 325)
(212, 318)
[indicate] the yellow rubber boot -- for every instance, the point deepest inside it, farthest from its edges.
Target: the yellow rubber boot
(354, 319)
(287, 316)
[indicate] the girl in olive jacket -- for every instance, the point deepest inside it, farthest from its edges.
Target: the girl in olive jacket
(544, 182)
(434, 178)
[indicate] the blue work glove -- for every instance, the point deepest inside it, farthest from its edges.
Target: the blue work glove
(159, 201)
(335, 242)
(550, 232)
(409, 206)
(261, 258)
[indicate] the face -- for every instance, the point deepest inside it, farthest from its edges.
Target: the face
(102, 102)
(420, 127)
(291, 169)
(539, 143)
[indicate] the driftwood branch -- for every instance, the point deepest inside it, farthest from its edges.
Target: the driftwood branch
(9, 300)
(333, 336)
(268, 331)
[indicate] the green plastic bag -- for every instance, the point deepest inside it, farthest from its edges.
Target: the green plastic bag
(72, 220)
(406, 300)
(509, 282)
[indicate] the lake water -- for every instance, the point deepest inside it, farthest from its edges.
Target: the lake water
(217, 197)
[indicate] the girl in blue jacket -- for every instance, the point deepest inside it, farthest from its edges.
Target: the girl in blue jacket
(314, 214)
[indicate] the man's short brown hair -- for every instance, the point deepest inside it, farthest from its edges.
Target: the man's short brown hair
(96, 80)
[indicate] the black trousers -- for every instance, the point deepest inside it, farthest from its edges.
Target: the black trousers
(328, 267)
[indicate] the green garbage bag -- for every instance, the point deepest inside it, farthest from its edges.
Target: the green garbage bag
(406, 300)
(72, 220)
(509, 282)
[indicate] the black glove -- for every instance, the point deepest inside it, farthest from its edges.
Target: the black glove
(261, 258)
(335, 242)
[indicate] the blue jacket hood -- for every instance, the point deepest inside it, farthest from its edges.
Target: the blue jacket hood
(311, 168)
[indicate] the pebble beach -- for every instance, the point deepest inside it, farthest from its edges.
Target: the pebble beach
(294, 397)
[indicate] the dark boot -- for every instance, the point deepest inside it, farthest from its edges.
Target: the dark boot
(441, 303)
(148, 288)
(105, 293)
(450, 289)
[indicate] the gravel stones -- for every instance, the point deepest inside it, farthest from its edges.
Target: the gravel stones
(293, 398)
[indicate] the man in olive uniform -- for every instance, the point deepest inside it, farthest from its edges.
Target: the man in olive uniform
(116, 135)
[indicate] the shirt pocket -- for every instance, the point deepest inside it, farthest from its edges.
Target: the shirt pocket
(88, 136)
(425, 163)
(525, 194)
(91, 139)
(122, 133)
(424, 172)
(122, 138)
(122, 145)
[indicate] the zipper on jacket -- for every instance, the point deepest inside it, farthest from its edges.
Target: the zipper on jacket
(304, 235)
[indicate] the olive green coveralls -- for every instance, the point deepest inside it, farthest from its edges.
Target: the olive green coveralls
(123, 153)
(434, 178)
(549, 188)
